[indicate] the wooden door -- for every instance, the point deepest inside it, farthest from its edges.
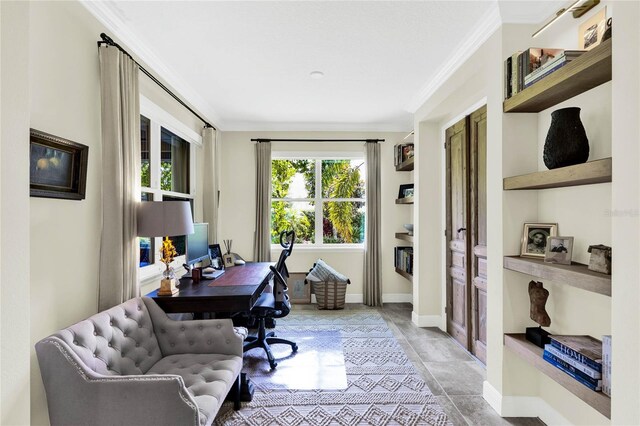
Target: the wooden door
(457, 177)
(478, 232)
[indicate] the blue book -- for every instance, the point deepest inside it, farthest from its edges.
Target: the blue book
(546, 73)
(577, 378)
(585, 349)
(568, 367)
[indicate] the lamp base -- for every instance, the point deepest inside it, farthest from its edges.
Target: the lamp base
(167, 287)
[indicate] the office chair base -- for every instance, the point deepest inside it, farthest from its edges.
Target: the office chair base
(253, 342)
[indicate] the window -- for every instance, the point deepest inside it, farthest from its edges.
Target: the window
(322, 198)
(166, 171)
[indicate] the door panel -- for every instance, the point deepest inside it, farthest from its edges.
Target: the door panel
(478, 233)
(458, 295)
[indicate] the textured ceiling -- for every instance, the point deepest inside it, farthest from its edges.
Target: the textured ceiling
(250, 61)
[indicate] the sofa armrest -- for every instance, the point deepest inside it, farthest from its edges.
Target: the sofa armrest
(78, 395)
(216, 336)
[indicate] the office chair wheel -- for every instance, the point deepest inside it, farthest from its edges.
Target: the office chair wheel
(294, 348)
(273, 364)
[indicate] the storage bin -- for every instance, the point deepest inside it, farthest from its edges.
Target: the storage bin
(330, 294)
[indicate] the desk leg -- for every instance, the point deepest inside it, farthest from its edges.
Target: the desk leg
(246, 388)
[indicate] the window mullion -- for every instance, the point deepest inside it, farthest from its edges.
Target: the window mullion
(155, 154)
(318, 202)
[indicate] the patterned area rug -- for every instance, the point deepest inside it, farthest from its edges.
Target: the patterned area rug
(383, 388)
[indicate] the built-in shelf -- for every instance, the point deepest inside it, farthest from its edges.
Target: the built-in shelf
(406, 200)
(404, 236)
(598, 171)
(589, 70)
(576, 274)
(405, 274)
(533, 355)
(405, 166)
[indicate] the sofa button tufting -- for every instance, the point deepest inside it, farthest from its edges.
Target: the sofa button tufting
(124, 334)
(209, 342)
(95, 333)
(95, 355)
(110, 345)
(200, 327)
(219, 325)
(75, 342)
(111, 323)
(173, 344)
(162, 330)
(137, 345)
(182, 328)
(191, 343)
(228, 341)
(150, 353)
(139, 308)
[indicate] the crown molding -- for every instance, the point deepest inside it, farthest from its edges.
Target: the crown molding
(488, 24)
(261, 126)
(119, 30)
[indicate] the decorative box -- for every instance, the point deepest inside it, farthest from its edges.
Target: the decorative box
(600, 260)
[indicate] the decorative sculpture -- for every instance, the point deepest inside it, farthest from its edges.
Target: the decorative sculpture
(538, 296)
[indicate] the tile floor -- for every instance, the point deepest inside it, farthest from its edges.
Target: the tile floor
(452, 374)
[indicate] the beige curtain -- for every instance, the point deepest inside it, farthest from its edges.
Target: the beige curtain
(211, 184)
(262, 240)
(372, 269)
(119, 256)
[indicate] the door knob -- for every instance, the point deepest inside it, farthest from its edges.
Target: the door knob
(461, 229)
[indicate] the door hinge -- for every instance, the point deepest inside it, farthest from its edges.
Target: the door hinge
(446, 310)
(444, 145)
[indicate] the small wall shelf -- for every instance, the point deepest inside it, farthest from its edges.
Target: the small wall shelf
(405, 166)
(407, 200)
(589, 70)
(404, 236)
(598, 171)
(405, 274)
(576, 274)
(533, 355)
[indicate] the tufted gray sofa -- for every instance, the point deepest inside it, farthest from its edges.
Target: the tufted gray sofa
(133, 365)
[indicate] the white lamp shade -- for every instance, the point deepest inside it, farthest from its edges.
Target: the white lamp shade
(164, 218)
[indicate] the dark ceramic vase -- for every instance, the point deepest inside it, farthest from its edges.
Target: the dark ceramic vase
(566, 142)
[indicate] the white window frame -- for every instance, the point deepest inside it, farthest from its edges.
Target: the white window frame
(159, 119)
(319, 199)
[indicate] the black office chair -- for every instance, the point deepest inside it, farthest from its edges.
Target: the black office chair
(273, 304)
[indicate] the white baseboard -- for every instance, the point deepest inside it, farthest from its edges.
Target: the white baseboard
(386, 298)
(522, 406)
(426, 320)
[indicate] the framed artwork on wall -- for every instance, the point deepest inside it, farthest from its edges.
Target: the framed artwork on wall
(57, 167)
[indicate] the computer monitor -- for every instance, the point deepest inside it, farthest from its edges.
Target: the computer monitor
(198, 244)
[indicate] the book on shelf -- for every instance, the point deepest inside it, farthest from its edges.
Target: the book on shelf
(606, 365)
(586, 349)
(574, 363)
(514, 73)
(404, 259)
(588, 383)
(507, 78)
(573, 370)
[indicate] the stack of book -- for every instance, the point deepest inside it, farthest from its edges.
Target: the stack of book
(606, 365)
(404, 259)
(523, 69)
(578, 356)
(551, 66)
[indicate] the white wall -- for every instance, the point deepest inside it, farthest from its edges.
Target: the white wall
(237, 206)
(14, 214)
(64, 83)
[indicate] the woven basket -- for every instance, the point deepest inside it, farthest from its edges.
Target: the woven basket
(329, 294)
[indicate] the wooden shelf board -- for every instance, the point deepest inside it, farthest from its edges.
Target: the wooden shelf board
(576, 274)
(589, 70)
(598, 171)
(405, 274)
(407, 200)
(533, 355)
(404, 236)
(405, 166)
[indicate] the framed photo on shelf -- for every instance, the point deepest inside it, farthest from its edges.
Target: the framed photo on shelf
(57, 167)
(215, 253)
(592, 30)
(406, 190)
(299, 292)
(534, 238)
(559, 250)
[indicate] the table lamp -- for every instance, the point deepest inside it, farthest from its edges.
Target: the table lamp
(161, 219)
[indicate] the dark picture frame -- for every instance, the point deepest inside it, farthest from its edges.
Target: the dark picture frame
(57, 167)
(534, 238)
(215, 253)
(405, 191)
(299, 292)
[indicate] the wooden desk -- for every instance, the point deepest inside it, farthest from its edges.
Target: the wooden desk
(237, 290)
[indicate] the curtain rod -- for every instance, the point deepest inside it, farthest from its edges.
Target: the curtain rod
(260, 140)
(109, 42)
